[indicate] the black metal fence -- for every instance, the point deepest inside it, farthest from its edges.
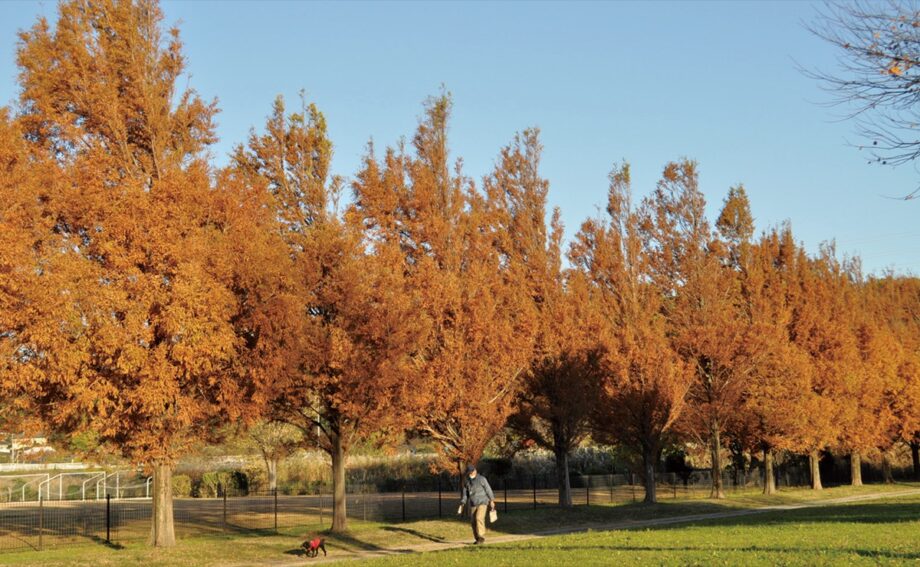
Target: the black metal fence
(111, 520)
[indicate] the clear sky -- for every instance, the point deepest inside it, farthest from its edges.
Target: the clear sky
(646, 82)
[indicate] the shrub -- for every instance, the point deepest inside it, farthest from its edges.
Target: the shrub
(256, 476)
(212, 483)
(182, 486)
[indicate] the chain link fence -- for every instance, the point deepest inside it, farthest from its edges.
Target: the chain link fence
(115, 518)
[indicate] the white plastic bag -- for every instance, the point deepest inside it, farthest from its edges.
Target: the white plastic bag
(493, 516)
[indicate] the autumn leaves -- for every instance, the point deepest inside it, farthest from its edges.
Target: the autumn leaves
(149, 296)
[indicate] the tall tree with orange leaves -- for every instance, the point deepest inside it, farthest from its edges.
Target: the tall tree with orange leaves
(472, 292)
(132, 333)
(353, 329)
(882, 298)
(820, 326)
(900, 301)
(559, 394)
(867, 418)
(691, 267)
(774, 408)
(829, 328)
(556, 400)
(643, 382)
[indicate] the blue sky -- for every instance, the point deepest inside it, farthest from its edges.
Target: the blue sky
(646, 82)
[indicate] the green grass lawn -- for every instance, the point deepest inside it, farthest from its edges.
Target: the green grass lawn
(870, 532)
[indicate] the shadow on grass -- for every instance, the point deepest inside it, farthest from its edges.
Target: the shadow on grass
(416, 533)
(349, 541)
(299, 552)
(521, 522)
(873, 554)
(554, 520)
(106, 543)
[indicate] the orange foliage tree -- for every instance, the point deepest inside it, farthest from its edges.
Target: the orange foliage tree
(693, 272)
(557, 398)
(820, 326)
(900, 310)
(775, 398)
(346, 350)
(854, 361)
(471, 291)
(152, 299)
(559, 395)
(132, 333)
(555, 402)
(643, 382)
(868, 420)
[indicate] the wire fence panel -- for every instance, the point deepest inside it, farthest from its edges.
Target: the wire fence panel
(113, 519)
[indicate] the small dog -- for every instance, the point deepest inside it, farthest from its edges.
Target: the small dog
(312, 546)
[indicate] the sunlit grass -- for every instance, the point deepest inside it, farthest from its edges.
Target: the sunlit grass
(832, 534)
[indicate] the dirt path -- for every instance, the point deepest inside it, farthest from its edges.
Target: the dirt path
(620, 525)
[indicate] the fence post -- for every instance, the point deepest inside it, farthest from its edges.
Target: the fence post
(276, 508)
(587, 491)
(505, 486)
(224, 515)
(610, 478)
(41, 522)
(364, 501)
(675, 491)
(440, 514)
(321, 507)
(108, 518)
(534, 479)
(632, 486)
(404, 502)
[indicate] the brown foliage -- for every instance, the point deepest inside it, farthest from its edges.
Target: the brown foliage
(130, 330)
(471, 289)
(644, 383)
(777, 391)
(694, 272)
(342, 341)
(153, 300)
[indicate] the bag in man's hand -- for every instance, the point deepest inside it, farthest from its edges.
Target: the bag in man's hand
(493, 516)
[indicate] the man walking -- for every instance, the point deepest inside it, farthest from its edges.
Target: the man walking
(478, 493)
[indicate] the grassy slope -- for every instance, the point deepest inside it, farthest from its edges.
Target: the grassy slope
(870, 533)
(768, 538)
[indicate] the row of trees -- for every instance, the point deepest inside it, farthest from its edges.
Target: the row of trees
(150, 298)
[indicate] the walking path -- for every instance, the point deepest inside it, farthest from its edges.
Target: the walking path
(620, 525)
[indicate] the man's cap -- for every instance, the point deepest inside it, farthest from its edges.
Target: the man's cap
(470, 468)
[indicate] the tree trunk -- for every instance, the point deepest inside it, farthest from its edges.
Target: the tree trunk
(813, 460)
(740, 464)
(649, 459)
(162, 530)
(887, 477)
(715, 448)
(271, 466)
(855, 469)
(461, 471)
(562, 477)
(769, 478)
(339, 519)
(915, 456)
